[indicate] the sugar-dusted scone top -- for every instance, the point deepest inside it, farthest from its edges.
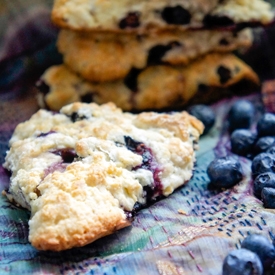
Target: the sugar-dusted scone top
(156, 87)
(161, 14)
(95, 56)
(82, 170)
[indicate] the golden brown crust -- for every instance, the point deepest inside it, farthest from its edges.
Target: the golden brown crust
(100, 57)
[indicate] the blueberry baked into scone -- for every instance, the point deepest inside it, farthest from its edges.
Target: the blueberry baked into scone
(100, 57)
(157, 86)
(83, 172)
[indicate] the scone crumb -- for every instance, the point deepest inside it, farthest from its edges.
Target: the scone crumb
(182, 212)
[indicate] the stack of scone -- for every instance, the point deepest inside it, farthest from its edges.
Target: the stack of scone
(151, 54)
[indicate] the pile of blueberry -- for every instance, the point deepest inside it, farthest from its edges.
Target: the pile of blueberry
(256, 143)
(252, 138)
(256, 255)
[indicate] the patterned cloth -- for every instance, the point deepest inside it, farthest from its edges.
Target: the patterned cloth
(188, 233)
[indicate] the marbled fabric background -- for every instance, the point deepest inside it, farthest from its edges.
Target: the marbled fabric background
(161, 240)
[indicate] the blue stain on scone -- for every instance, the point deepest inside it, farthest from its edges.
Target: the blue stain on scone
(150, 163)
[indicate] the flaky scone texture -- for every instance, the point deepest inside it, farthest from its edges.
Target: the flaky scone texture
(154, 88)
(82, 171)
(94, 56)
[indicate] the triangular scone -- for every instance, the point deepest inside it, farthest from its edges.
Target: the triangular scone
(84, 171)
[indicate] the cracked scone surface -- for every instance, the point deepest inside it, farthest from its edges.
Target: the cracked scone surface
(84, 171)
(155, 87)
(95, 56)
(143, 15)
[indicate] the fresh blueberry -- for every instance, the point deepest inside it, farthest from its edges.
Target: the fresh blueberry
(262, 246)
(271, 150)
(268, 197)
(266, 125)
(242, 142)
(205, 114)
(264, 162)
(241, 115)
(263, 144)
(242, 262)
(263, 180)
(224, 172)
(176, 15)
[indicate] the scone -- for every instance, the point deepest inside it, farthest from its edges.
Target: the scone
(103, 56)
(128, 14)
(154, 88)
(83, 172)
(139, 16)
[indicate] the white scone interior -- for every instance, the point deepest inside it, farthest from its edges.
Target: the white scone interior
(82, 172)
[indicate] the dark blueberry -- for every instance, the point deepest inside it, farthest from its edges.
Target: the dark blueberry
(131, 79)
(224, 172)
(46, 134)
(131, 144)
(271, 150)
(176, 15)
(156, 53)
(242, 142)
(137, 206)
(130, 21)
(42, 86)
(224, 42)
(264, 162)
(67, 154)
(266, 125)
(76, 117)
(242, 262)
(263, 144)
(268, 197)
(205, 114)
(212, 21)
(262, 246)
(240, 115)
(87, 98)
(224, 74)
(263, 180)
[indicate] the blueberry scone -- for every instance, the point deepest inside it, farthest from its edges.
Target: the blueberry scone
(95, 56)
(143, 15)
(84, 171)
(129, 14)
(154, 88)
